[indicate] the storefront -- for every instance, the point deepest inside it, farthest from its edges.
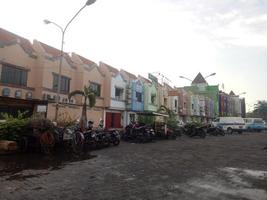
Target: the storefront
(13, 106)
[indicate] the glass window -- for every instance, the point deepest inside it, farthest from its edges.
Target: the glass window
(96, 88)
(65, 83)
(138, 96)
(118, 93)
(13, 75)
(258, 121)
(165, 101)
(175, 103)
(153, 99)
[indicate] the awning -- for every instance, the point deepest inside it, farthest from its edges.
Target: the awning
(152, 114)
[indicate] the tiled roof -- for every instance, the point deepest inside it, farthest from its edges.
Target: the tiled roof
(199, 79)
(231, 93)
(130, 75)
(111, 69)
(145, 80)
(8, 38)
(87, 61)
(55, 53)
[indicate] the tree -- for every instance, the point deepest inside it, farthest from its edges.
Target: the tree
(260, 109)
(88, 96)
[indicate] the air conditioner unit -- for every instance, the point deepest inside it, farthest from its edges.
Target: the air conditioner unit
(6, 92)
(29, 95)
(18, 94)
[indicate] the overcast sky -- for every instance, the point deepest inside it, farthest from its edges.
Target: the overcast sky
(173, 37)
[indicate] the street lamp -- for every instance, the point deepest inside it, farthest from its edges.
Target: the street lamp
(185, 78)
(212, 74)
(63, 31)
(241, 93)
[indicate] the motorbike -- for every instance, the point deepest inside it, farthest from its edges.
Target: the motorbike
(192, 130)
(70, 136)
(215, 131)
(139, 133)
(114, 137)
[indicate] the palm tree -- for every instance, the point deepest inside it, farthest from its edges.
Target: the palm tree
(260, 109)
(88, 96)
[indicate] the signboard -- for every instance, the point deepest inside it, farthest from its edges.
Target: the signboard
(41, 108)
(153, 78)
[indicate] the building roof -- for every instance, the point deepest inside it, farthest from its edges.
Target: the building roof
(8, 38)
(130, 75)
(199, 79)
(231, 93)
(143, 79)
(55, 53)
(87, 61)
(110, 69)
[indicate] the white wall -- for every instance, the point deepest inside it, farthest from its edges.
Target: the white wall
(119, 82)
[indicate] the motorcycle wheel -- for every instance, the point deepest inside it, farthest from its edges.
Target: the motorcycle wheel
(23, 144)
(47, 141)
(77, 142)
(116, 142)
(203, 134)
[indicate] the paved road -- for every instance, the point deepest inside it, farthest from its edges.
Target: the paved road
(230, 167)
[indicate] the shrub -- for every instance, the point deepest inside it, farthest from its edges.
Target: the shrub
(14, 127)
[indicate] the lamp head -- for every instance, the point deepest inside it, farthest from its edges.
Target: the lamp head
(89, 2)
(47, 21)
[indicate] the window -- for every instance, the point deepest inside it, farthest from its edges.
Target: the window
(153, 99)
(165, 101)
(175, 103)
(118, 93)
(96, 88)
(65, 83)
(13, 75)
(138, 96)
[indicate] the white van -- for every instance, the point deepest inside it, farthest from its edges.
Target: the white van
(230, 124)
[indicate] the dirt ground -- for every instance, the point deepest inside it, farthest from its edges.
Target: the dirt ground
(231, 167)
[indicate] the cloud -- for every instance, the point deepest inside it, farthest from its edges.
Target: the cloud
(228, 22)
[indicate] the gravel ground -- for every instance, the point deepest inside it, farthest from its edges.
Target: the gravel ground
(230, 167)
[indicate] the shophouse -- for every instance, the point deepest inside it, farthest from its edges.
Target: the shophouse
(134, 96)
(115, 97)
(18, 76)
(88, 73)
(150, 93)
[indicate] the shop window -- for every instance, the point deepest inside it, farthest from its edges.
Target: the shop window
(13, 75)
(96, 88)
(65, 83)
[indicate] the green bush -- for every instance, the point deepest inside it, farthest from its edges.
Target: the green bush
(14, 127)
(149, 120)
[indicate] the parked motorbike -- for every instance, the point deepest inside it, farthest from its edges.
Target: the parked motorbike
(215, 131)
(192, 130)
(114, 137)
(70, 136)
(140, 133)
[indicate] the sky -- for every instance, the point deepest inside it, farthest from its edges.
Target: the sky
(169, 38)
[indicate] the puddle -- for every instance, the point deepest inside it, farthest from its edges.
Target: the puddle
(13, 164)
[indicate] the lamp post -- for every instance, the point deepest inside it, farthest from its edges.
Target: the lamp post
(212, 74)
(241, 93)
(63, 31)
(185, 78)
